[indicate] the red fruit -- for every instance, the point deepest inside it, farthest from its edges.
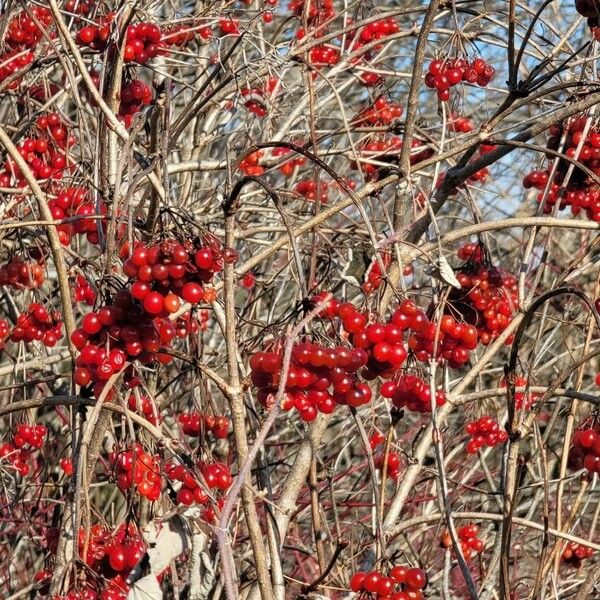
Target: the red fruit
(192, 292)
(116, 558)
(356, 582)
(371, 581)
(91, 323)
(416, 579)
(154, 303)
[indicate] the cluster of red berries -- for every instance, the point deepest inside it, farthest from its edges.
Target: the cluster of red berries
(195, 423)
(524, 400)
(324, 55)
(45, 154)
(401, 583)
(22, 274)
(382, 149)
(145, 406)
(190, 491)
(470, 544)
(381, 112)
(374, 276)
(25, 440)
(111, 556)
(585, 449)
(391, 461)
(313, 370)
(36, 324)
(289, 166)
(581, 193)
(444, 74)
(412, 392)
(83, 290)
(134, 94)
(250, 165)
(484, 432)
(165, 272)
(118, 332)
(182, 35)
(23, 32)
(312, 190)
(257, 98)
(374, 31)
(574, 553)
(489, 296)
(136, 467)
(74, 203)
(97, 35)
(11, 63)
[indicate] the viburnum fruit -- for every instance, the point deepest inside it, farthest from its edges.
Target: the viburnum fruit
(134, 467)
(400, 583)
(484, 432)
(573, 554)
(585, 449)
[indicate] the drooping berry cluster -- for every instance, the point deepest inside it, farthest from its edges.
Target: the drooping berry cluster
(190, 491)
(401, 583)
(20, 273)
(381, 112)
(484, 432)
(134, 95)
(410, 391)
(585, 449)
(444, 74)
(136, 468)
(488, 298)
(374, 276)
(524, 399)
(83, 291)
(195, 423)
(36, 324)
(581, 193)
(289, 166)
(318, 378)
(23, 32)
(118, 332)
(391, 461)
(74, 203)
(470, 543)
(144, 405)
(573, 554)
(26, 439)
(311, 190)
(165, 272)
(257, 99)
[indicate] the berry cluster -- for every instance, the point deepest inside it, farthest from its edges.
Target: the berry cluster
(190, 491)
(374, 276)
(36, 324)
(401, 583)
(74, 203)
(12, 63)
(525, 399)
(484, 432)
(374, 31)
(391, 461)
(411, 392)
(289, 166)
(381, 112)
(324, 55)
(25, 440)
(470, 544)
(195, 423)
(136, 467)
(314, 369)
(489, 296)
(444, 74)
(256, 99)
(312, 190)
(21, 274)
(574, 553)
(118, 332)
(134, 94)
(165, 272)
(145, 406)
(83, 291)
(581, 193)
(250, 164)
(45, 154)
(23, 32)
(585, 449)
